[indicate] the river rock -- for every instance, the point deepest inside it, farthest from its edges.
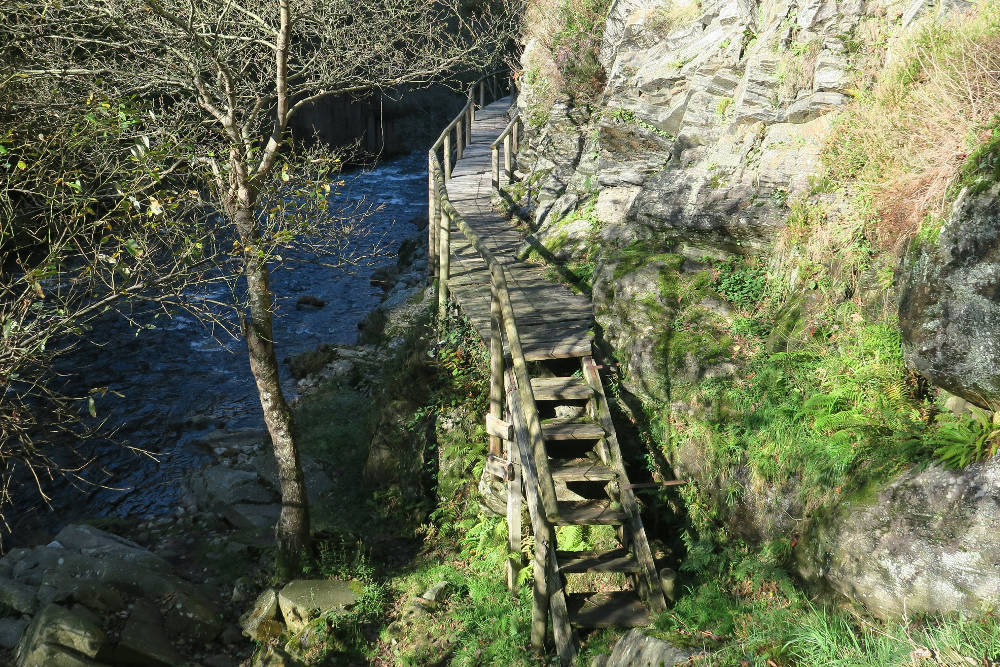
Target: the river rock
(265, 609)
(86, 576)
(220, 486)
(144, 639)
(302, 600)
(637, 649)
(949, 307)
(78, 630)
(273, 656)
(11, 630)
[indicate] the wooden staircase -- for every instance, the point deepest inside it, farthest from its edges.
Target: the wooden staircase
(591, 488)
(552, 440)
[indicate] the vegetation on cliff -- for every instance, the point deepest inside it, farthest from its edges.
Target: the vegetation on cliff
(755, 319)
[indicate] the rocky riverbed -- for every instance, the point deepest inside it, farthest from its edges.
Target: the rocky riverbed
(163, 574)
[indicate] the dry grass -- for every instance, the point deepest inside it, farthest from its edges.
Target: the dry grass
(905, 142)
(672, 15)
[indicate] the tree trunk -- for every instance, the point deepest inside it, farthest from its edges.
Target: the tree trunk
(292, 531)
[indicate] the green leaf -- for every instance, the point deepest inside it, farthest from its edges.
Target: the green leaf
(91, 406)
(21, 165)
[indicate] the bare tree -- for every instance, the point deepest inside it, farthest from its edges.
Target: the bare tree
(219, 81)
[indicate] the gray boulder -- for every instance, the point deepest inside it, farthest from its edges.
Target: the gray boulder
(637, 649)
(949, 308)
(302, 600)
(926, 544)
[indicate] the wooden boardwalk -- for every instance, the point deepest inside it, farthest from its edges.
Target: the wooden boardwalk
(552, 440)
(553, 322)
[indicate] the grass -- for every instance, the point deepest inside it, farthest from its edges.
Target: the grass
(765, 624)
(566, 65)
(672, 15)
(920, 135)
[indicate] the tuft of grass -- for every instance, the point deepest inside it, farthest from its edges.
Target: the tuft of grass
(671, 15)
(921, 135)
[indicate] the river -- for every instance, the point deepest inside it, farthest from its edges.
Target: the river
(173, 384)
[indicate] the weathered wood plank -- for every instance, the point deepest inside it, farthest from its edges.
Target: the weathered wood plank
(616, 560)
(581, 470)
(560, 389)
(616, 609)
(589, 513)
(498, 428)
(572, 431)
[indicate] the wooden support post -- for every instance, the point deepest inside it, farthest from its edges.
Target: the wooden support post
(447, 156)
(517, 137)
(547, 592)
(514, 559)
(459, 139)
(508, 168)
(471, 118)
(482, 94)
(495, 164)
(431, 217)
(539, 593)
(496, 366)
(444, 262)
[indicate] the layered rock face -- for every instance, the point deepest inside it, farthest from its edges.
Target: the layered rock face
(712, 121)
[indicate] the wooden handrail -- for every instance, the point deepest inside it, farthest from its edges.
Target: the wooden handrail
(508, 323)
(509, 139)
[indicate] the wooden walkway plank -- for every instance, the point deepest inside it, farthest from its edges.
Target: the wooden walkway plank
(554, 322)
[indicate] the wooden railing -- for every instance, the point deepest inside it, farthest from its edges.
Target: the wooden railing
(503, 325)
(450, 145)
(509, 140)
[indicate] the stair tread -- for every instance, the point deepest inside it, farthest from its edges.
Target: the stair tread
(580, 470)
(572, 430)
(589, 513)
(616, 560)
(560, 389)
(603, 610)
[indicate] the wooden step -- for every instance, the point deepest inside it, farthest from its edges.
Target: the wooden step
(580, 470)
(566, 349)
(589, 513)
(621, 609)
(560, 389)
(617, 560)
(573, 430)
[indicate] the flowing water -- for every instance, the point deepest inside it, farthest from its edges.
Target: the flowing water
(178, 382)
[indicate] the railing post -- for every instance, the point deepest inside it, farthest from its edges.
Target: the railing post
(507, 159)
(539, 593)
(482, 94)
(447, 156)
(495, 164)
(514, 560)
(517, 136)
(444, 262)
(496, 364)
(459, 140)
(432, 205)
(470, 118)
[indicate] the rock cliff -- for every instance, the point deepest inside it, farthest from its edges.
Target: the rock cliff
(694, 195)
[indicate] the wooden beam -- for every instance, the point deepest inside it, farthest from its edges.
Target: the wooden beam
(546, 488)
(547, 592)
(515, 560)
(499, 428)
